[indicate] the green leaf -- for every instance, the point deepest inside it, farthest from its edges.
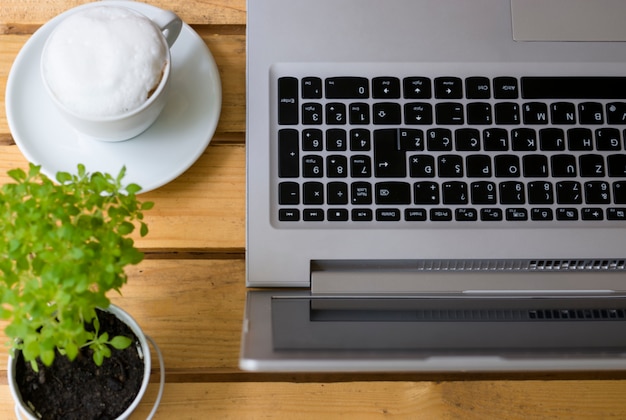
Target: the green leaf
(120, 342)
(47, 357)
(133, 188)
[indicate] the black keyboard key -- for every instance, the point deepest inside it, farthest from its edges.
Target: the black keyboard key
(619, 192)
(449, 113)
(535, 166)
(535, 113)
(491, 215)
(512, 192)
(312, 166)
(389, 113)
(336, 166)
(312, 113)
(467, 139)
(567, 214)
(347, 88)
(362, 215)
(439, 140)
(389, 158)
(289, 193)
(411, 139)
(337, 193)
(337, 215)
(616, 113)
(507, 113)
(505, 88)
(569, 192)
(592, 213)
(288, 154)
(288, 101)
(440, 215)
(313, 215)
(551, 139)
(360, 140)
(579, 139)
(597, 192)
(336, 113)
(426, 193)
(591, 166)
(616, 214)
(484, 192)
(418, 113)
(312, 140)
(450, 166)
(421, 166)
(359, 113)
(574, 87)
(360, 166)
(478, 166)
(479, 113)
(361, 193)
(563, 113)
(415, 215)
(454, 193)
(540, 192)
(608, 139)
(477, 88)
(336, 140)
(311, 88)
(590, 113)
(448, 88)
(516, 214)
(616, 165)
(387, 215)
(392, 193)
(466, 215)
(541, 214)
(417, 88)
(289, 215)
(313, 193)
(496, 139)
(524, 140)
(507, 166)
(563, 166)
(385, 88)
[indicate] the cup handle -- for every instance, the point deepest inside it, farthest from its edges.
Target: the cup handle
(170, 24)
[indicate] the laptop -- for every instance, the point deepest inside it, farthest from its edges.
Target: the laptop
(435, 185)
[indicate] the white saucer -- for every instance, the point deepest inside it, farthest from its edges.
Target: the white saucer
(154, 158)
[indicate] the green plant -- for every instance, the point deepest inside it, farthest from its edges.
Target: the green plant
(63, 246)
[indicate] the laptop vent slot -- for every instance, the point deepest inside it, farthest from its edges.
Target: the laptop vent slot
(490, 315)
(521, 265)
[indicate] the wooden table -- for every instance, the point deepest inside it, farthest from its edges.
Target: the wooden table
(189, 292)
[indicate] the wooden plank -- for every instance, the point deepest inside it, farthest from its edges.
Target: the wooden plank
(228, 51)
(376, 400)
(192, 308)
(202, 210)
(19, 16)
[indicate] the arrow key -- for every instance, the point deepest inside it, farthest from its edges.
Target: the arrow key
(448, 88)
(385, 87)
(417, 88)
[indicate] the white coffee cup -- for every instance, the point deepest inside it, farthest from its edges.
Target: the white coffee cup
(99, 107)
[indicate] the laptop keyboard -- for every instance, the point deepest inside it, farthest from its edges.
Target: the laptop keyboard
(505, 150)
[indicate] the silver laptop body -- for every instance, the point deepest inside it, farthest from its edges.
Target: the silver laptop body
(397, 282)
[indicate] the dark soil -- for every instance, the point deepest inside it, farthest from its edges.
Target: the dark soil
(80, 389)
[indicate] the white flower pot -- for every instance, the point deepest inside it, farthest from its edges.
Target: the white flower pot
(23, 412)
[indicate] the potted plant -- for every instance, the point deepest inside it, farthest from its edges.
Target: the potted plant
(63, 248)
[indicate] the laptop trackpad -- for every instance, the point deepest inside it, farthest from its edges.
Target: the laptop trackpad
(568, 20)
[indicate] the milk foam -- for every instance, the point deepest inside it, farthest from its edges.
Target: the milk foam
(104, 61)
